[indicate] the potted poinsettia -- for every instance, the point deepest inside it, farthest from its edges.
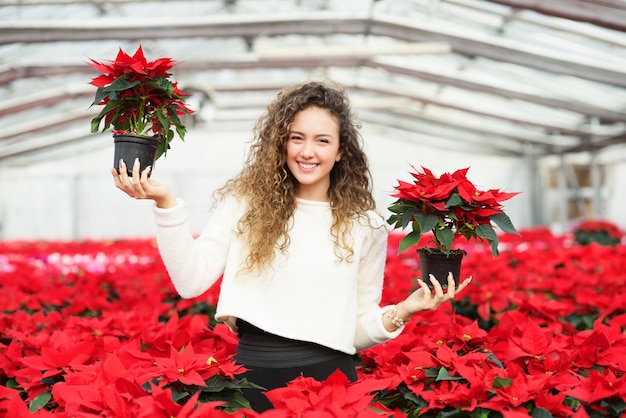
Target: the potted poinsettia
(141, 105)
(449, 206)
(599, 231)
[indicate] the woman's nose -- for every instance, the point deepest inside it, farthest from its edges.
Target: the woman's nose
(307, 149)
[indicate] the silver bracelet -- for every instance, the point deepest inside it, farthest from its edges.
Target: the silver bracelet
(395, 319)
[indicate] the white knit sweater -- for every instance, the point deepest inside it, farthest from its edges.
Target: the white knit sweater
(307, 295)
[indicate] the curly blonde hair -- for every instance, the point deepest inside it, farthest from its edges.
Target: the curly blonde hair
(269, 187)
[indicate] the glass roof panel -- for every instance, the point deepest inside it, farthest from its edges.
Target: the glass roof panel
(516, 74)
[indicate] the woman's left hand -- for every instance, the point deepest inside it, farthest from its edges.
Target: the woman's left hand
(426, 299)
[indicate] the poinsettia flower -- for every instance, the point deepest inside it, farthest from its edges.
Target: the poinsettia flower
(513, 387)
(108, 386)
(604, 346)
(12, 406)
(136, 66)
(447, 394)
(553, 321)
(184, 366)
(449, 206)
(161, 404)
(554, 403)
(138, 98)
(598, 386)
(336, 393)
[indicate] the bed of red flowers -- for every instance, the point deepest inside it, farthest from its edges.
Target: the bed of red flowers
(94, 329)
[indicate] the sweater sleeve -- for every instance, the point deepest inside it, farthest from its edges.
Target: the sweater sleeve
(370, 329)
(193, 264)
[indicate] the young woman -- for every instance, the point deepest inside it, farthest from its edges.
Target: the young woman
(298, 242)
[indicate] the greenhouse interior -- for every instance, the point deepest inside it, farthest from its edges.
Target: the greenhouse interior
(528, 96)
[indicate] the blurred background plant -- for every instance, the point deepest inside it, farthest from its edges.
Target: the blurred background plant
(599, 231)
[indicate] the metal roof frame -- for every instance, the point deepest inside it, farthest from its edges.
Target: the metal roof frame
(483, 81)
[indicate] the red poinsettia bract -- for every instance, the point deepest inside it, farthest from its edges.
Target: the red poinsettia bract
(450, 206)
(541, 328)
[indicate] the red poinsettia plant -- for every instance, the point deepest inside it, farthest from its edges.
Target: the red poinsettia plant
(139, 98)
(600, 231)
(449, 206)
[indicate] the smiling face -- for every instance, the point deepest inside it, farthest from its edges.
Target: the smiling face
(312, 151)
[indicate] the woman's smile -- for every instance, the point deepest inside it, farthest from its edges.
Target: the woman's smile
(312, 150)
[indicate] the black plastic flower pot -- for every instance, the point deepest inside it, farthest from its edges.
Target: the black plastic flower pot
(439, 264)
(129, 147)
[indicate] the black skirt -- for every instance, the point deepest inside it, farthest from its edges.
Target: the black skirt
(272, 361)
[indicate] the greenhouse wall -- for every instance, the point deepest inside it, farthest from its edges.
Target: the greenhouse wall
(74, 197)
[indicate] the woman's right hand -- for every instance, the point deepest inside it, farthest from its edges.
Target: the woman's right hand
(140, 186)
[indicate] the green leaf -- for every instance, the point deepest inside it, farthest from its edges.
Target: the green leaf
(179, 393)
(237, 401)
(446, 237)
(541, 413)
(407, 217)
(426, 222)
(395, 220)
(409, 240)
(495, 359)
(95, 124)
(501, 382)
(396, 207)
(120, 84)
(431, 372)
(494, 247)
(39, 402)
(486, 231)
(454, 200)
(217, 383)
(504, 223)
(222, 389)
(108, 108)
(100, 95)
(444, 375)
(12, 383)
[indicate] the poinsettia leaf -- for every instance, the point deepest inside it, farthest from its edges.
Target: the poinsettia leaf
(397, 207)
(181, 131)
(409, 240)
(494, 247)
(39, 402)
(446, 237)
(162, 149)
(443, 374)
(101, 93)
(407, 217)
(12, 384)
(147, 386)
(426, 222)
(119, 84)
(493, 358)
(486, 231)
(500, 382)
(454, 200)
(95, 122)
(541, 413)
(503, 222)
(164, 126)
(218, 384)
(179, 393)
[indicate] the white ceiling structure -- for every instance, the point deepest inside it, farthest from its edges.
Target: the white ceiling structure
(512, 77)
